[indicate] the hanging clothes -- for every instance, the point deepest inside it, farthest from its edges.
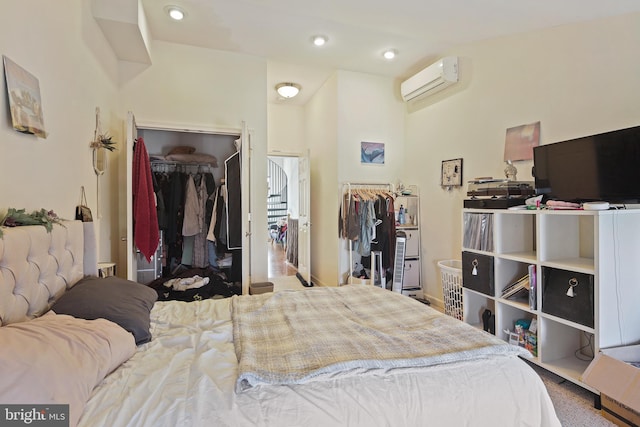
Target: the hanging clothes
(187, 211)
(146, 232)
(234, 201)
(367, 219)
(200, 248)
(193, 212)
(386, 231)
(175, 214)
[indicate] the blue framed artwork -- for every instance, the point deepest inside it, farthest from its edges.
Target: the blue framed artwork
(372, 152)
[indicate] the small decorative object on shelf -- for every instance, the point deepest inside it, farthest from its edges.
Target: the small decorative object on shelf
(510, 171)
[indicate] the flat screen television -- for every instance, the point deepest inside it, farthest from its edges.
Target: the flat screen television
(602, 167)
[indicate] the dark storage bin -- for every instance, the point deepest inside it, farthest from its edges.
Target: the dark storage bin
(260, 288)
(557, 299)
(477, 272)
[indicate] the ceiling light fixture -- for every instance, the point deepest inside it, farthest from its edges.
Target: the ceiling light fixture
(319, 40)
(288, 90)
(175, 13)
(389, 54)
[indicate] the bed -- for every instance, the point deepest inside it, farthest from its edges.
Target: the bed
(275, 359)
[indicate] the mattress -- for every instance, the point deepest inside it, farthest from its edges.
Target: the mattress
(186, 376)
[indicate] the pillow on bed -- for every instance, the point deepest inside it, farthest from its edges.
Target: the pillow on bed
(122, 301)
(58, 359)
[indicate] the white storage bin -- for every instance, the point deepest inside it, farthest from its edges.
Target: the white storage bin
(451, 273)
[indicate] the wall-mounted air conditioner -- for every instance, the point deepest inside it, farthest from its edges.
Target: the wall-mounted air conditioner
(434, 78)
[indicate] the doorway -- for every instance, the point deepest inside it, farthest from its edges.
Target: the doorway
(287, 217)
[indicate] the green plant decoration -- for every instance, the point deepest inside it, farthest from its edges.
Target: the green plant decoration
(18, 217)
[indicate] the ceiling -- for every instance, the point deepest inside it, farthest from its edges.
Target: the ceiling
(358, 31)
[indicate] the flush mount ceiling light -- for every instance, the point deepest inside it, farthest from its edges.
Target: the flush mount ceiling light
(389, 54)
(319, 40)
(287, 90)
(175, 13)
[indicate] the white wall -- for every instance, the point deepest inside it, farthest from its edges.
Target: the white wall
(62, 46)
(576, 80)
(322, 138)
(290, 166)
(286, 137)
(203, 88)
(349, 108)
(369, 111)
(286, 129)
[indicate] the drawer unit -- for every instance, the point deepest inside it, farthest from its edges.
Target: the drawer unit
(413, 243)
(411, 274)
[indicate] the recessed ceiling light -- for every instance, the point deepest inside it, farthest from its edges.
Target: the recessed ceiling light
(389, 54)
(175, 12)
(288, 90)
(319, 40)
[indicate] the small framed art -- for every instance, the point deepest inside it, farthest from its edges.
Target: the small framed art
(451, 173)
(24, 99)
(372, 152)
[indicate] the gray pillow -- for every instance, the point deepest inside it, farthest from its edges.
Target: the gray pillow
(121, 301)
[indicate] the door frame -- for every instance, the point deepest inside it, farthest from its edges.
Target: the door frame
(241, 132)
(307, 226)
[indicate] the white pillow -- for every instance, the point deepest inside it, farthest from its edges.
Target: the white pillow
(58, 359)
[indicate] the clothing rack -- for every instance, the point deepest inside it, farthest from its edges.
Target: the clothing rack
(349, 188)
(164, 166)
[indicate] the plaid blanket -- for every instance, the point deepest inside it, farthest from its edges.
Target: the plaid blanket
(292, 337)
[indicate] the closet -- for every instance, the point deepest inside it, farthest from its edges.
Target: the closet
(197, 180)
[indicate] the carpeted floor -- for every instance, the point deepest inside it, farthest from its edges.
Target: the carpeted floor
(573, 404)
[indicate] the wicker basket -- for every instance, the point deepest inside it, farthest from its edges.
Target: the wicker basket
(451, 272)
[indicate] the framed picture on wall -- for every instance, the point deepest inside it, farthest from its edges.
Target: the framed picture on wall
(520, 141)
(23, 90)
(372, 152)
(451, 173)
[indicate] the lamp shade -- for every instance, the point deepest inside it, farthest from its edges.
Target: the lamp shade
(287, 90)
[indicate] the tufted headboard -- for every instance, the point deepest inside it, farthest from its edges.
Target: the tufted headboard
(36, 267)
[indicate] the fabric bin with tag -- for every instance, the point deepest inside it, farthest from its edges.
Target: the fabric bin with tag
(477, 272)
(568, 295)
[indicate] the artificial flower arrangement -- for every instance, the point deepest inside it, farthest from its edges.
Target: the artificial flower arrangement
(17, 217)
(103, 141)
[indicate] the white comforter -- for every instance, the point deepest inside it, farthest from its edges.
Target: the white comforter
(186, 377)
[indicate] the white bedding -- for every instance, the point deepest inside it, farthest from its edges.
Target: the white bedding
(186, 377)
